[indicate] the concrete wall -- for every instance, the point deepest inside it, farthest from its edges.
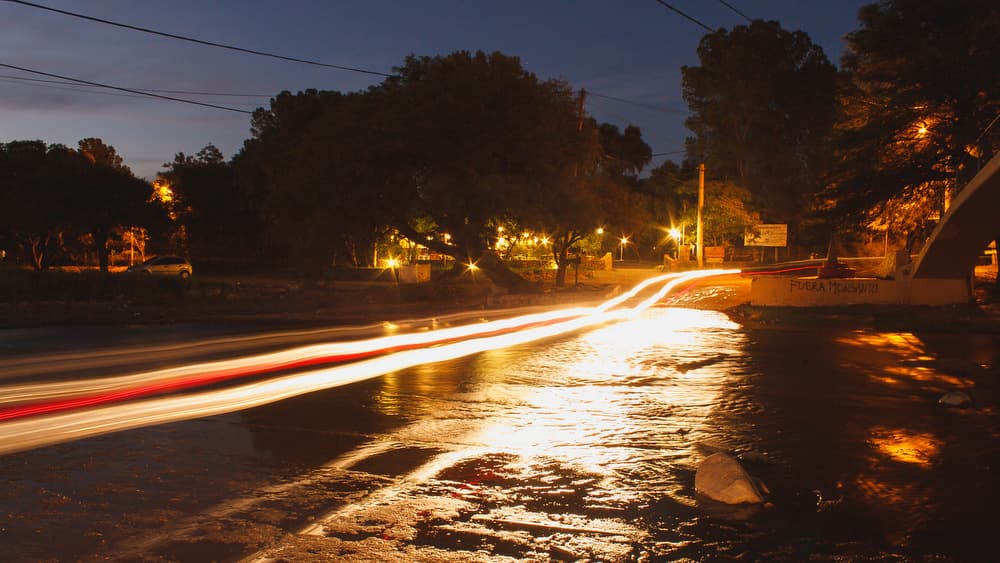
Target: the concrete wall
(939, 291)
(813, 292)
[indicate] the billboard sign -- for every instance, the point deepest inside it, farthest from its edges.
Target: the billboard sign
(715, 254)
(768, 235)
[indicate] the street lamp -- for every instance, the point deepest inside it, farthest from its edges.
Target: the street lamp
(675, 234)
(621, 254)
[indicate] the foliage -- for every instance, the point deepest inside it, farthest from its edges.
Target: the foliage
(106, 199)
(918, 93)
(602, 191)
(487, 139)
(303, 168)
(218, 220)
(52, 194)
(762, 103)
(624, 154)
(726, 217)
(96, 151)
(441, 152)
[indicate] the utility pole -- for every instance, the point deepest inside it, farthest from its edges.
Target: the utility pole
(579, 121)
(701, 211)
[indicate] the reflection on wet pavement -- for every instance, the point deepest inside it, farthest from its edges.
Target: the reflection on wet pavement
(576, 447)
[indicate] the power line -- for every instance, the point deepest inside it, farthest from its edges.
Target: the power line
(13, 78)
(639, 104)
(731, 7)
(199, 41)
(130, 90)
(671, 8)
(144, 91)
(190, 92)
(668, 153)
(55, 84)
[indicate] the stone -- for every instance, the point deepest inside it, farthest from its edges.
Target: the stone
(723, 479)
(958, 399)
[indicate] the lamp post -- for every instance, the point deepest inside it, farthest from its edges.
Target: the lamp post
(621, 253)
(675, 234)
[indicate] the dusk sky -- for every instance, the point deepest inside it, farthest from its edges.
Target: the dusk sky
(630, 49)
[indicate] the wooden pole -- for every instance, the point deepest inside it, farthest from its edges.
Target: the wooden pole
(700, 239)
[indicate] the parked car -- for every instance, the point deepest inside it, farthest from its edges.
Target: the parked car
(164, 265)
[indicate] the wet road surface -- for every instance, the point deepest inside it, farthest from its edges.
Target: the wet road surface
(580, 446)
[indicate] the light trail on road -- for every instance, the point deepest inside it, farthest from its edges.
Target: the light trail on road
(49, 413)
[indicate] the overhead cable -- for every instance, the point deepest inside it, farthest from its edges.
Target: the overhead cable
(673, 9)
(190, 92)
(130, 90)
(68, 88)
(733, 8)
(199, 41)
(639, 104)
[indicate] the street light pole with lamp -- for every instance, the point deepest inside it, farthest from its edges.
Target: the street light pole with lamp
(675, 234)
(621, 254)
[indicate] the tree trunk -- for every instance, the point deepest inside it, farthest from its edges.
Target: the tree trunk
(37, 254)
(501, 275)
(560, 251)
(561, 262)
(101, 244)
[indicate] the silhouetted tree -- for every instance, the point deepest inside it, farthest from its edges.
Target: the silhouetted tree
(273, 169)
(104, 199)
(762, 105)
(918, 91)
(96, 151)
(219, 221)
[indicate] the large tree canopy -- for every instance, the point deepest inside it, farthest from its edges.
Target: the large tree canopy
(918, 93)
(96, 151)
(762, 103)
(441, 152)
(48, 193)
(486, 139)
(219, 222)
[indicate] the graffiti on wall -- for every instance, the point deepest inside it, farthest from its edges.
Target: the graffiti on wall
(835, 287)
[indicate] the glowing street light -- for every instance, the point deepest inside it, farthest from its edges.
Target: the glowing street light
(621, 254)
(675, 234)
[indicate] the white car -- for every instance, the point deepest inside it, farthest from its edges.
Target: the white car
(164, 265)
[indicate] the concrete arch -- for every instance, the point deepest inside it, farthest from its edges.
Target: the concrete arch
(972, 221)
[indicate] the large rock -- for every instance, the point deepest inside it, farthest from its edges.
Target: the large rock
(957, 399)
(723, 479)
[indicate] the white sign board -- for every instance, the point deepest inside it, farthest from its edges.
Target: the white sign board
(768, 235)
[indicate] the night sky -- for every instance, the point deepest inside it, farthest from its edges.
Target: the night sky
(630, 49)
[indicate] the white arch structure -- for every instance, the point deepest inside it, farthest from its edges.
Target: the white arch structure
(941, 273)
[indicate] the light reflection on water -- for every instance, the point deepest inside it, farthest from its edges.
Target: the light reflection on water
(598, 430)
(618, 398)
(843, 426)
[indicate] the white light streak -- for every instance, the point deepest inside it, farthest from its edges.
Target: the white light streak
(442, 344)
